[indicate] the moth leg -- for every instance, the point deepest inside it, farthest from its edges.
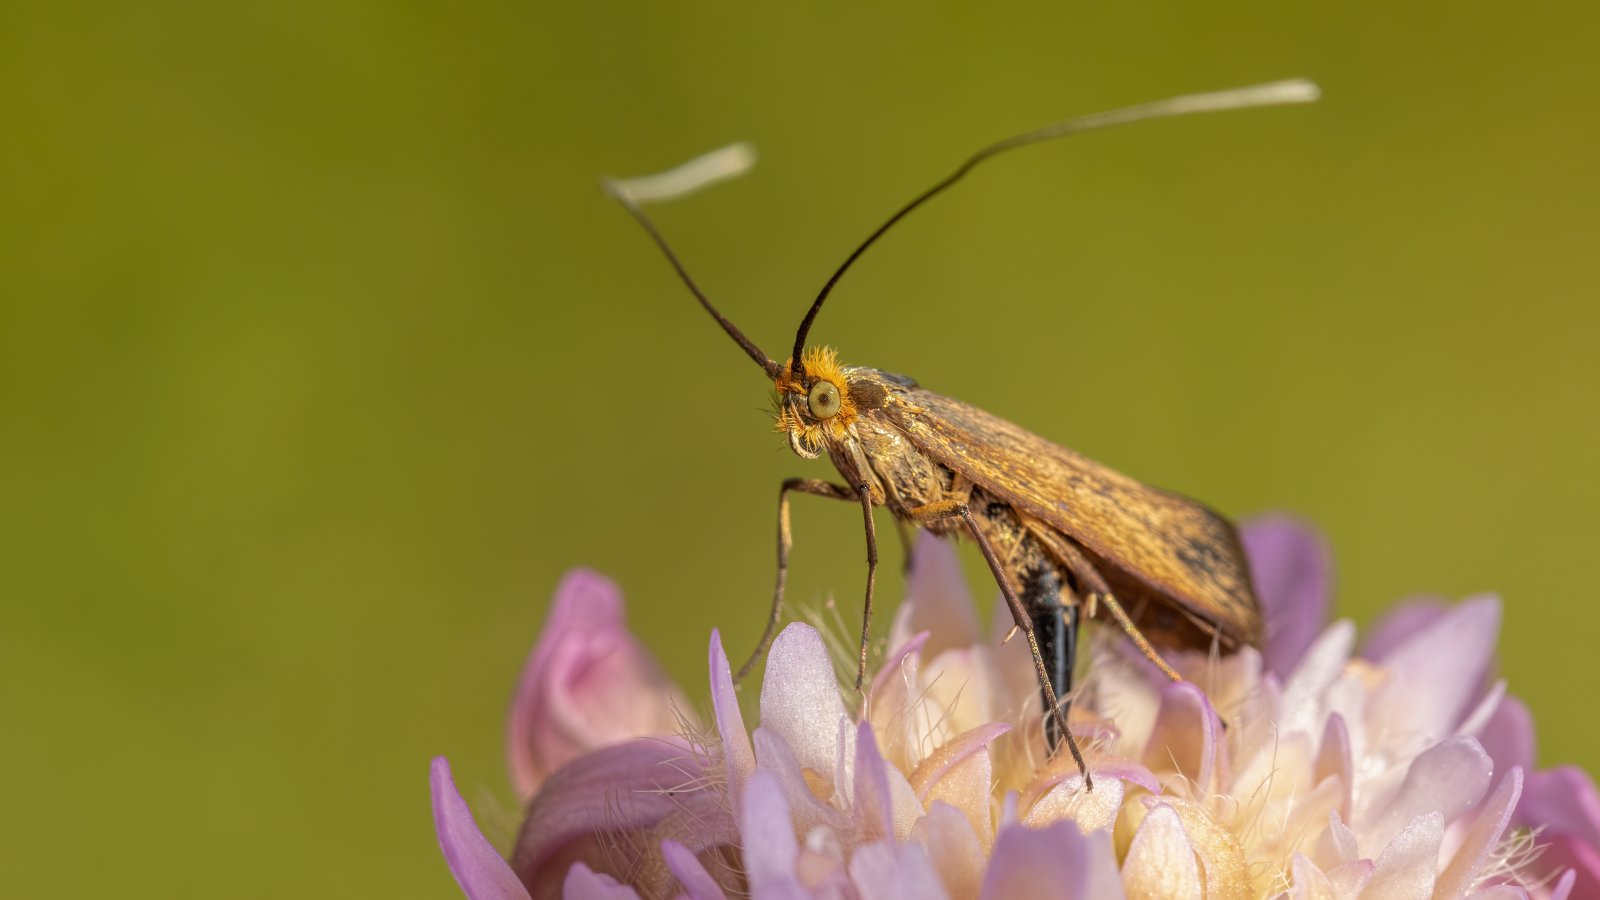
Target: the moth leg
(1139, 640)
(815, 487)
(1100, 592)
(954, 508)
(865, 492)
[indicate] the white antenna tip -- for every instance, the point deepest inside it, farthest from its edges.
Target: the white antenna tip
(701, 172)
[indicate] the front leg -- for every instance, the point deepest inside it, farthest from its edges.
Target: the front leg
(815, 487)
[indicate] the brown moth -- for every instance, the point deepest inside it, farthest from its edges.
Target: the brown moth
(1063, 536)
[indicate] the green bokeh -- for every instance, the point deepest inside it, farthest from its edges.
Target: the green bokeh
(322, 357)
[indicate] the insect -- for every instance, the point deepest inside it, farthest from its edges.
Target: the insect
(1063, 536)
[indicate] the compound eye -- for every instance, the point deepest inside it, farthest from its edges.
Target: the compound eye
(824, 400)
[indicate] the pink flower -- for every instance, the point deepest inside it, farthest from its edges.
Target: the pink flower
(1302, 770)
(588, 683)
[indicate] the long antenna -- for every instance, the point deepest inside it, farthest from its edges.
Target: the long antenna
(1276, 93)
(718, 165)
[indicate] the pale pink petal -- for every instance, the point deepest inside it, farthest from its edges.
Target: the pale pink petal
(685, 866)
(959, 773)
(1045, 864)
(585, 884)
(652, 784)
(1161, 863)
(768, 838)
(808, 811)
(885, 870)
(1349, 879)
(1068, 802)
(1480, 839)
(800, 698)
(1186, 735)
(1508, 738)
(1501, 892)
(953, 847)
(874, 808)
(736, 750)
(1343, 839)
(1334, 759)
(1062, 768)
(1407, 867)
(1307, 881)
(1292, 571)
(1437, 673)
(1399, 623)
(1565, 885)
(1447, 778)
(1322, 663)
(937, 599)
(479, 869)
(895, 705)
(587, 683)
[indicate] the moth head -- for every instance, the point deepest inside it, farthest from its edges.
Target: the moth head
(814, 406)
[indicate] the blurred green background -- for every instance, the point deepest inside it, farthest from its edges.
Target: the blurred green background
(322, 357)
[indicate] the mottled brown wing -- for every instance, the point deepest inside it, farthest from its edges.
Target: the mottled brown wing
(1183, 551)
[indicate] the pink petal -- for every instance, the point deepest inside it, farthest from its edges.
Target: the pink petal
(1186, 734)
(653, 784)
(736, 750)
(1406, 869)
(874, 808)
(953, 847)
(1040, 864)
(768, 839)
(1292, 571)
(1563, 802)
(477, 866)
(588, 683)
(1508, 738)
(686, 867)
(885, 870)
(1447, 778)
(1436, 673)
(937, 599)
(1396, 626)
(1480, 839)
(800, 697)
(1161, 861)
(584, 884)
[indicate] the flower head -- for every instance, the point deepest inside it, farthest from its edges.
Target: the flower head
(1304, 769)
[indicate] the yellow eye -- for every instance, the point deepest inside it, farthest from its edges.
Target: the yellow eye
(824, 400)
